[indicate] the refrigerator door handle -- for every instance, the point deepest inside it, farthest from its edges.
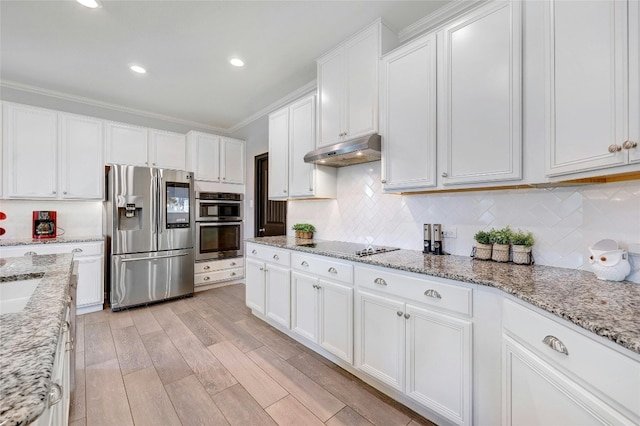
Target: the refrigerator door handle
(154, 203)
(154, 257)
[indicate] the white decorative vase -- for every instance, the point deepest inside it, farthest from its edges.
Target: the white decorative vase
(610, 265)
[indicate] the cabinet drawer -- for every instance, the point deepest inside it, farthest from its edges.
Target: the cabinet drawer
(449, 297)
(606, 370)
(78, 249)
(215, 276)
(323, 267)
(269, 254)
(218, 265)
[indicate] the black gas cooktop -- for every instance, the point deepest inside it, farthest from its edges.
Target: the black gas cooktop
(353, 249)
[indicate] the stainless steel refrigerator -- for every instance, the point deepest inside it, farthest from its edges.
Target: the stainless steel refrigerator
(149, 227)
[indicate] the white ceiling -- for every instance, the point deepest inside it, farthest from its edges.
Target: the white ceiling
(63, 47)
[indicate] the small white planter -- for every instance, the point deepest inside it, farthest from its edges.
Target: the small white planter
(500, 253)
(483, 251)
(521, 254)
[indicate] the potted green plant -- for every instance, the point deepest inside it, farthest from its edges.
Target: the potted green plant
(521, 243)
(500, 239)
(304, 230)
(483, 247)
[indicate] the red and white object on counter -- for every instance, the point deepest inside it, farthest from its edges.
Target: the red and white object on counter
(44, 224)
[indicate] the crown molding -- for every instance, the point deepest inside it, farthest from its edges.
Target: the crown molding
(298, 93)
(438, 18)
(87, 101)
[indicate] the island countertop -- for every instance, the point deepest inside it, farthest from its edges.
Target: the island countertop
(606, 308)
(28, 338)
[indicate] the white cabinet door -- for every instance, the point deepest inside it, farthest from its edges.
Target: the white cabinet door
(279, 154)
(126, 144)
(278, 294)
(479, 125)
(232, 160)
(634, 82)
(31, 147)
(380, 337)
(302, 126)
(535, 393)
(204, 156)
(586, 81)
(81, 162)
(167, 150)
(304, 305)
(362, 55)
(255, 285)
(336, 319)
(90, 291)
(438, 364)
(408, 116)
(331, 93)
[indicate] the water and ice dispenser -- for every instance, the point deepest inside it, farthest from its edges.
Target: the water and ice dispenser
(130, 212)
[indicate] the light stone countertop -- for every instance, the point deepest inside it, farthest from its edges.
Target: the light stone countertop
(607, 308)
(8, 242)
(28, 338)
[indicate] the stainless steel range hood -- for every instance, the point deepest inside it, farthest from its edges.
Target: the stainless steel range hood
(355, 151)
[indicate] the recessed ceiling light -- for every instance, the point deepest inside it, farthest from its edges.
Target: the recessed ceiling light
(138, 69)
(91, 4)
(237, 62)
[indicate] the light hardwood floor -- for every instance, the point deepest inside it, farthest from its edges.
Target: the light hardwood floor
(207, 361)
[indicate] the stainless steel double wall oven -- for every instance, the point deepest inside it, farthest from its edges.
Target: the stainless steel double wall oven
(219, 225)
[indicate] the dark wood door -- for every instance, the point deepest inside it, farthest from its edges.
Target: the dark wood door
(271, 216)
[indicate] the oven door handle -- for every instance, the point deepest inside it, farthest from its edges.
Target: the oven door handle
(167, 256)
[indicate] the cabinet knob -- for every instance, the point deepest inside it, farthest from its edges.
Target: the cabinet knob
(206, 268)
(555, 344)
(614, 148)
(315, 286)
(253, 251)
(153, 164)
(30, 253)
(407, 316)
(399, 313)
(76, 250)
(284, 190)
(55, 394)
(224, 178)
(53, 192)
(432, 293)
(304, 263)
(333, 270)
(383, 181)
(380, 281)
(445, 174)
(206, 278)
(629, 144)
(233, 274)
(65, 192)
(233, 264)
(276, 257)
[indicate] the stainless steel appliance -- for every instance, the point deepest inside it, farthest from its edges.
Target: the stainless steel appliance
(219, 226)
(355, 151)
(353, 249)
(149, 228)
(437, 239)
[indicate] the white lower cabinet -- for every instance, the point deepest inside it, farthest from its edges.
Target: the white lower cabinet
(322, 311)
(268, 283)
(554, 375)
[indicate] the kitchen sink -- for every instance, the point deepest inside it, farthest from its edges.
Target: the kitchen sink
(14, 295)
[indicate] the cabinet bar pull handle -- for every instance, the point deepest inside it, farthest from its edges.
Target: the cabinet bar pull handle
(614, 148)
(55, 394)
(30, 253)
(380, 281)
(77, 250)
(206, 268)
(432, 293)
(253, 251)
(275, 256)
(304, 263)
(399, 313)
(333, 270)
(629, 144)
(407, 316)
(555, 344)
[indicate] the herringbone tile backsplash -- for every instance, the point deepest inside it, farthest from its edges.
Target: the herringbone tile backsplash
(565, 221)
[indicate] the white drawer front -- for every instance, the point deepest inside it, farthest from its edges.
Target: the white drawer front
(615, 375)
(78, 249)
(324, 267)
(218, 265)
(449, 297)
(216, 276)
(269, 254)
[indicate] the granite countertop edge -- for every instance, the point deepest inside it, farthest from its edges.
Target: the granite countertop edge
(29, 338)
(534, 284)
(9, 242)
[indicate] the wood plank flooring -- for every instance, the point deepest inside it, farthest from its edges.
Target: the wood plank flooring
(207, 361)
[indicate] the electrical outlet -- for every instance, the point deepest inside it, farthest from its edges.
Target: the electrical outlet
(450, 232)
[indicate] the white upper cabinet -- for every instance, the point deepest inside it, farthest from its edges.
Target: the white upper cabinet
(166, 150)
(348, 85)
(51, 155)
(31, 152)
(232, 160)
(479, 127)
(215, 158)
(139, 146)
(408, 116)
(592, 85)
(81, 162)
(292, 134)
(279, 154)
